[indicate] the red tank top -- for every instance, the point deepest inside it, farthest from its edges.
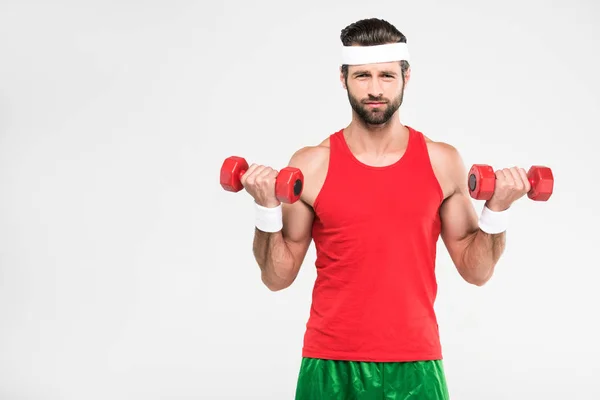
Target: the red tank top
(375, 233)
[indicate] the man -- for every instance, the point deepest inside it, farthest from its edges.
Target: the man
(377, 195)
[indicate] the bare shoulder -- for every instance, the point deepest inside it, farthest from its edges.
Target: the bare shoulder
(311, 158)
(447, 163)
(313, 161)
(442, 152)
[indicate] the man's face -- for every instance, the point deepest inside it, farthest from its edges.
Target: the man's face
(375, 91)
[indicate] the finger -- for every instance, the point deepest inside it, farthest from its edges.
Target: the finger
(526, 183)
(249, 176)
(503, 178)
(518, 183)
(251, 169)
(508, 177)
(273, 175)
(267, 174)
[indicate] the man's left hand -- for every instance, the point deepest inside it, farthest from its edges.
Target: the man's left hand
(511, 185)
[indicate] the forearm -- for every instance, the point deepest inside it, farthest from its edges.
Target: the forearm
(275, 259)
(481, 255)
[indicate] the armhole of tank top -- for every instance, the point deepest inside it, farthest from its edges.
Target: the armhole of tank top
(316, 203)
(430, 168)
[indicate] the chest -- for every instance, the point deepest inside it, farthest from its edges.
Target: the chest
(378, 200)
(382, 186)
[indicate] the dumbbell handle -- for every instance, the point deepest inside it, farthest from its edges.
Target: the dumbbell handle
(241, 174)
(531, 183)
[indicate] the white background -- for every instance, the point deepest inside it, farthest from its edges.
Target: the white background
(126, 272)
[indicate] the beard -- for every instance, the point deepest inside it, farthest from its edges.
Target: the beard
(378, 115)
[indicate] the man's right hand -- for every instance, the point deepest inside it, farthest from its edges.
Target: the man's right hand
(259, 182)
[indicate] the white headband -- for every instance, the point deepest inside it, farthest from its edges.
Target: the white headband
(357, 55)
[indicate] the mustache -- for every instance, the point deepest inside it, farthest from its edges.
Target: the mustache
(373, 99)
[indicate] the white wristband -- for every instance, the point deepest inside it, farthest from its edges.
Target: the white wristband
(269, 219)
(493, 221)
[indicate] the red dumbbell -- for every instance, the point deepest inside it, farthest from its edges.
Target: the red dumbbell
(288, 184)
(482, 181)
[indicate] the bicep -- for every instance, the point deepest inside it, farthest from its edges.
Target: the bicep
(459, 223)
(298, 217)
(297, 229)
(458, 217)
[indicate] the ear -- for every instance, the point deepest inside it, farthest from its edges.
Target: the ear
(342, 80)
(407, 76)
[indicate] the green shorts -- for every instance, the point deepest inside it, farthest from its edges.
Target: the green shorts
(351, 380)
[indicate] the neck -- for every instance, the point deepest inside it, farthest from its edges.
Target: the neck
(375, 139)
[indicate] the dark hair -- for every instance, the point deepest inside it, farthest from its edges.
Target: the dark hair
(371, 32)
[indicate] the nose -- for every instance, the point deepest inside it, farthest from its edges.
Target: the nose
(375, 88)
